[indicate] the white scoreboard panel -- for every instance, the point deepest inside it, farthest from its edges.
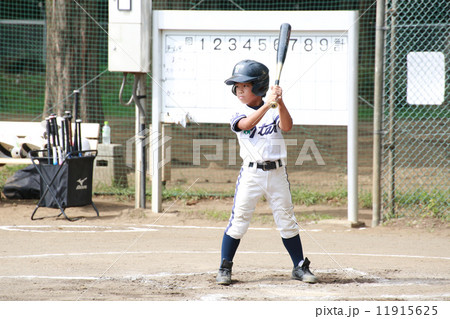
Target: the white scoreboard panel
(195, 51)
(195, 57)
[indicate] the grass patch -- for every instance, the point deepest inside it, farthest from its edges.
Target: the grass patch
(224, 215)
(421, 203)
(312, 217)
(209, 214)
(307, 197)
(365, 199)
(300, 196)
(217, 215)
(120, 193)
(178, 193)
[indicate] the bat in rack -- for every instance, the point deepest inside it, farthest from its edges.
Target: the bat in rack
(76, 146)
(68, 125)
(283, 44)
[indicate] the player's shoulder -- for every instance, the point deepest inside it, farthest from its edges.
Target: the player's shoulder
(235, 117)
(237, 113)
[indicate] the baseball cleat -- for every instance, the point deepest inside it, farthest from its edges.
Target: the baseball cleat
(302, 272)
(224, 275)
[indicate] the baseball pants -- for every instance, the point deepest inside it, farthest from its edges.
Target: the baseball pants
(252, 183)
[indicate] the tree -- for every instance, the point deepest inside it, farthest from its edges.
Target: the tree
(72, 58)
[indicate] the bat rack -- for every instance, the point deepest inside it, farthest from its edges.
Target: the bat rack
(68, 184)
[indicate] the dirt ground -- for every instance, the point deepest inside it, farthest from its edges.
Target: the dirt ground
(135, 255)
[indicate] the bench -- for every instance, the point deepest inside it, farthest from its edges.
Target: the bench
(22, 134)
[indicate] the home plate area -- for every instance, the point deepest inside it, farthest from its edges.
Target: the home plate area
(87, 260)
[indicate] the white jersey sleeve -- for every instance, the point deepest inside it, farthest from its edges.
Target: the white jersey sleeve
(235, 119)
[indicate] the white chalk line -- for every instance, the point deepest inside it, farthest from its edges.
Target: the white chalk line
(382, 255)
(192, 252)
(101, 229)
(352, 271)
(75, 229)
(109, 229)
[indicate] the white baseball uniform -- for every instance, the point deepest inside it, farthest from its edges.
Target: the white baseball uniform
(263, 143)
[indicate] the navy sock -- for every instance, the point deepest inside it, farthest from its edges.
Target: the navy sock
(294, 248)
(229, 247)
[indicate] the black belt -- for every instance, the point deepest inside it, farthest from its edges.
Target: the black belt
(266, 166)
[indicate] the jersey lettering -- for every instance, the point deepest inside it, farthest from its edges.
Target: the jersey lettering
(264, 129)
(267, 129)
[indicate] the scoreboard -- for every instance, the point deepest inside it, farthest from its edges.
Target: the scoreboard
(195, 57)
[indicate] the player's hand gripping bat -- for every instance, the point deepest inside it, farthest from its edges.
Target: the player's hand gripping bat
(283, 44)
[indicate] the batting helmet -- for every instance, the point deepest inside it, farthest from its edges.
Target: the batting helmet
(249, 71)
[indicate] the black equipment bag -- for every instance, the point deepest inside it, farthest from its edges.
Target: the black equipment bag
(24, 184)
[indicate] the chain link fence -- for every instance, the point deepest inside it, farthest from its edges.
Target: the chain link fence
(27, 93)
(415, 169)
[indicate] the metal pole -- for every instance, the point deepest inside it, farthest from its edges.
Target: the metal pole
(156, 130)
(143, 179)
(137, 166)
(140, 168)
(377, 114)
(352, 128)
(391, 148)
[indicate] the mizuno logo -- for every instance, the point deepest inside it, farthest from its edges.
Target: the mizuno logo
(80, 185)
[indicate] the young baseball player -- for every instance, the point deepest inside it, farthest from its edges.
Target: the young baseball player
(258, 128)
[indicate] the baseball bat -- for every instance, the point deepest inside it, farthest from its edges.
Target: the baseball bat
(78, 137)
(283, 45)
(48, 129)
(77, 102)
(57, 141)
(63, 137)
(68, 117)
(53, 140)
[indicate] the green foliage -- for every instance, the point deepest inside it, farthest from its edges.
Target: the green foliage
(110, 97)
(435, 204)
(121, 193)
(178, 193)
(218, 215)
(312, 217)
(423, 112)
(429, 204)
(300, 196)
(22, 9)
(304, 196)
(365, 199)
(25, 91)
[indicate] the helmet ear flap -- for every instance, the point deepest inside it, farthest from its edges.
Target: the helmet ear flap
(261, 86)
(233, 89)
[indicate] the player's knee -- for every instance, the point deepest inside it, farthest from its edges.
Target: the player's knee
(289, 233)
(288, 226)
(237, 230)
(236, 234)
